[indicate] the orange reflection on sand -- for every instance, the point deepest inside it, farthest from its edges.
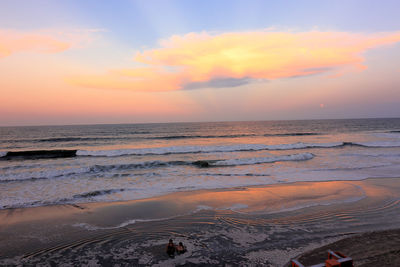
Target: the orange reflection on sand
(12, 216)
(276, 197)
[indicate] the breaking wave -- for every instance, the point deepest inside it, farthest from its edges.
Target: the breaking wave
(40, 154)
(113, 168)
(230, 148)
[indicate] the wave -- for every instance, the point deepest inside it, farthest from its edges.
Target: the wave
(142, 165)
(170, 137)
(39, 154)
(259, 160)
(75, 139)
(200, 149)
(172, 150)
(113, 170)
(291, 134)
(200, 136)
(19, 180)
(301, 145)
(40, 175)
(202, 163)
(99, 193)
(377, 144)
(92, 170)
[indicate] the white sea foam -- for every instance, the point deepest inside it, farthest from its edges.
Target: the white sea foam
(258, 160)
(301, 145)
(123, 224)
(133, 221)
(202, 207)
(93, 227)
(236, 207)
(381, 144)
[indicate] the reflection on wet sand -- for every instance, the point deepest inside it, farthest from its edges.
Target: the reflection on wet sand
(276, 198)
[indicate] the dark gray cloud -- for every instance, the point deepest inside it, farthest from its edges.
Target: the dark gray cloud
(219, 83)
(313, 72)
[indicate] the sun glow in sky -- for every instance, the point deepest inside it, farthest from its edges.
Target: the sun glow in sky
(73, 62)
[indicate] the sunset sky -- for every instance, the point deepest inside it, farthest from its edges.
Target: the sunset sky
(93, 61)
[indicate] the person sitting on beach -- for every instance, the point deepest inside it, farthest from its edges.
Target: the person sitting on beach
(171, 248)
(180, 249)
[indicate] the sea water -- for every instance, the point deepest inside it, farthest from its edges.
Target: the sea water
(45, 165)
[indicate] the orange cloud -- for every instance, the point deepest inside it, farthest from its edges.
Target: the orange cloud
(199, 60)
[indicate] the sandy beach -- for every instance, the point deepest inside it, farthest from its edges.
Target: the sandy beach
(265, 225)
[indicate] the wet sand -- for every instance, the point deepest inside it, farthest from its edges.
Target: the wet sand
(265, 225)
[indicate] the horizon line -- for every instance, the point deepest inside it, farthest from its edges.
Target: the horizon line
(183, 122)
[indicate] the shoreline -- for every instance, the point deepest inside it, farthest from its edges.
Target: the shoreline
(253, 220)
(20, 214)
(123, 202)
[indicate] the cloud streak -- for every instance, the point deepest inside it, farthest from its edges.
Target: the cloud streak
(198, 60)
(43, 41)
(12, 42)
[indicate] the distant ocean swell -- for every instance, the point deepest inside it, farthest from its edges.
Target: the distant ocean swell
(39, 154)
(162, 137)
(136, 135)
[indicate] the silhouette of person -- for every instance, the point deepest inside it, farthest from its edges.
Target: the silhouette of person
(180, 249)
(171, 248)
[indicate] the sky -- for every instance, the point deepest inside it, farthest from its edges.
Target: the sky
(95, 61)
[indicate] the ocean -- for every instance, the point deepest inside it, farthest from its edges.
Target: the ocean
(47, 165)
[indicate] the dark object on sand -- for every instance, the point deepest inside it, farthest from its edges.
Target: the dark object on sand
(180, 249)
(171, 248)
(335, 259)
